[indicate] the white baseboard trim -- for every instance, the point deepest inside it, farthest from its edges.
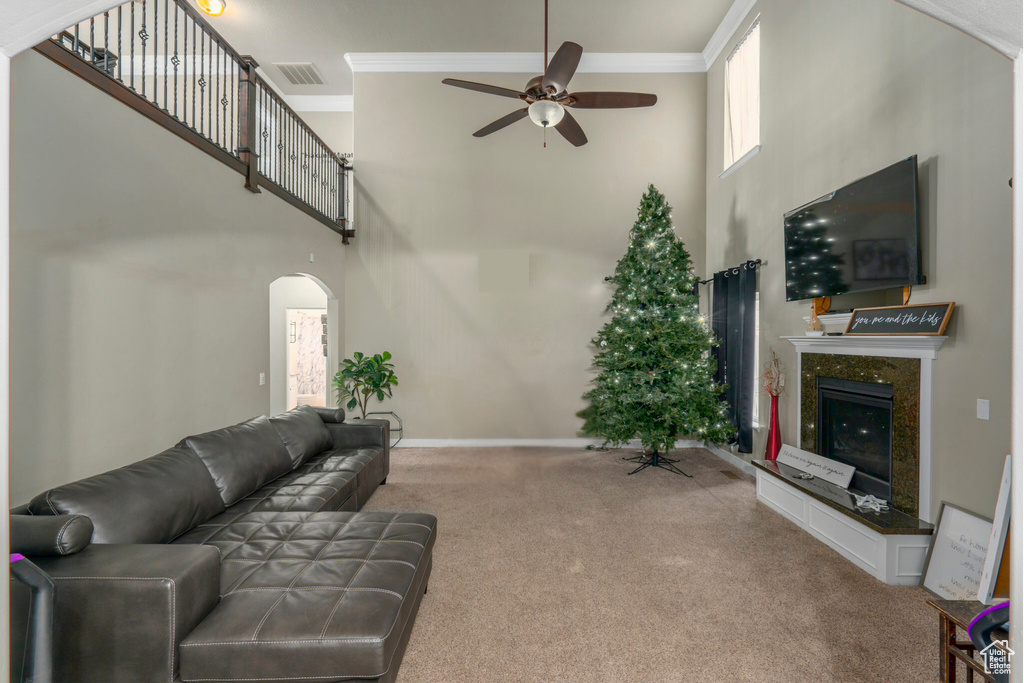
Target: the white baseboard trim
(732, 459)
(506, 443)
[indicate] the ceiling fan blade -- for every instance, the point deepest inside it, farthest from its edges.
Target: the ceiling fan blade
(506, 120)
(562, 67)
(612, 100)
(571, 130)
(483, 87)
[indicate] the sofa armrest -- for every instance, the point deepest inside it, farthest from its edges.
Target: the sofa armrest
(358, 433)
(50, 534)
(120, 611)
(361, 433)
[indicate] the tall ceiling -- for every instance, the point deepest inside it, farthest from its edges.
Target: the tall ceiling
(322, 31)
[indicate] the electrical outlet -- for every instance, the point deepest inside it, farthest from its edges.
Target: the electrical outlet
(983, 409)
(311, 257)
(263, 378)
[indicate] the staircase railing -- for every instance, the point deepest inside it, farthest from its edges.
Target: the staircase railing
(163, 59)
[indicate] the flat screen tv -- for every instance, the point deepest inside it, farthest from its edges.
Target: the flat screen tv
(862, 237)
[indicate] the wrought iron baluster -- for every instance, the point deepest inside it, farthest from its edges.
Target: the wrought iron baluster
(202, 81)
(261, 129)
(167, 64)
(131, 65)
(143, 37)
(279, 144)
(215, 102)
(211, 86)
(156, 52)
(192, 78)
(224, 103)
(120, 52)
(305, 164)
(106, 43)
(234, 98)
(175, 61)
(92, 41)
(307, 195)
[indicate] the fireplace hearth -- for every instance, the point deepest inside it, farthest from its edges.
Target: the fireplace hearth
(855, 427)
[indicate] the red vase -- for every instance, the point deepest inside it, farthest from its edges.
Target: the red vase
(771, 450)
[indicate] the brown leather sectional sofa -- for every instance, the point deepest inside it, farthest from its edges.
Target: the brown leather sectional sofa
(237, 555)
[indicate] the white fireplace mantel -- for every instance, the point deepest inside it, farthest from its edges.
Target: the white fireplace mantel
(892, 346)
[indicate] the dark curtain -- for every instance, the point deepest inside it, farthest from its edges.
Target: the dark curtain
(732, 320)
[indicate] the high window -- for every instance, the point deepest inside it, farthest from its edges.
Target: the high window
(743, 99)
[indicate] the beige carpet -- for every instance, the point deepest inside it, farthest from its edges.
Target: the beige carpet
(553, 565)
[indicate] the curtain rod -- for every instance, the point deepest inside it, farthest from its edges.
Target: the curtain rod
(753, 263)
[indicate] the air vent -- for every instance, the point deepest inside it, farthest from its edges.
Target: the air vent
(301, 74)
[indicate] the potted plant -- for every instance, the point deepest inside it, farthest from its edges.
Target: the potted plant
(362, 377)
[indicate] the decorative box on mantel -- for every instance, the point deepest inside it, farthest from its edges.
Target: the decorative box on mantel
(877, 389)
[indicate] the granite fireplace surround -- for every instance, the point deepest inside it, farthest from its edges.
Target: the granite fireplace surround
(904, 374)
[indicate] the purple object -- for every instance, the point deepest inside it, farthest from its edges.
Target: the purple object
(16, 556)
(984, 614)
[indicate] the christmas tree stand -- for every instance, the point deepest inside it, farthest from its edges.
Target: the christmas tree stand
(656, 460)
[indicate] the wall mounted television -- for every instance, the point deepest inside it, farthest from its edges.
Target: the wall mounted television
(862, 237)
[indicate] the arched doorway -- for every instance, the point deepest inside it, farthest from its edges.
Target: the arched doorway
(303, 342)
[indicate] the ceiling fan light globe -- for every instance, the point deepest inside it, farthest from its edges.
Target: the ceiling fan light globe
(546, 113)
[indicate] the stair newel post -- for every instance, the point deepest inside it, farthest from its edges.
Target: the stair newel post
(342, 200)
(247, 133)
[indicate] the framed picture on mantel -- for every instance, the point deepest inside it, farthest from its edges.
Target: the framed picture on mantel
(918, 320)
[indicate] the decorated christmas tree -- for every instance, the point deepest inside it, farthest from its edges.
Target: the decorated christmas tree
(656, 377)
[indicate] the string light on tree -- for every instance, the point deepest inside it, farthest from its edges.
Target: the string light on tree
(655, 381)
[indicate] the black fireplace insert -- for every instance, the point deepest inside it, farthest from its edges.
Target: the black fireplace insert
(855, 427)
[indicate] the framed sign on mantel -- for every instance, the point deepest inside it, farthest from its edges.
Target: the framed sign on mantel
(916, 320)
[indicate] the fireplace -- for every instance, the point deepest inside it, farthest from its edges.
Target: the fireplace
(855, 427)
(899, 429)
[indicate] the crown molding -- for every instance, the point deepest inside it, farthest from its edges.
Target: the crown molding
(731, 23)
(522, 62)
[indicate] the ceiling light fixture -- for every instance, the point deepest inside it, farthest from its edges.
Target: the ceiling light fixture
(214, 8)
(546, 113)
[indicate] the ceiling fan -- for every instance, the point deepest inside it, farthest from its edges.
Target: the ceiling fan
(547, 97)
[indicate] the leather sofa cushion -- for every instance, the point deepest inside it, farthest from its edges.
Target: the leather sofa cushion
(242, 458)
(330, 415)
(303, 433)
(296, 492)
(48, 535)
(328, 594)
(151, 501)
(364, 462)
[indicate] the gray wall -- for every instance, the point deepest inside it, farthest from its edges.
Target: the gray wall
(848, 88)
(483, 351)
(334, 128)
(141, 270)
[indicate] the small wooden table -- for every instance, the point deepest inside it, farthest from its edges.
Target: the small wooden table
(953, 614)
